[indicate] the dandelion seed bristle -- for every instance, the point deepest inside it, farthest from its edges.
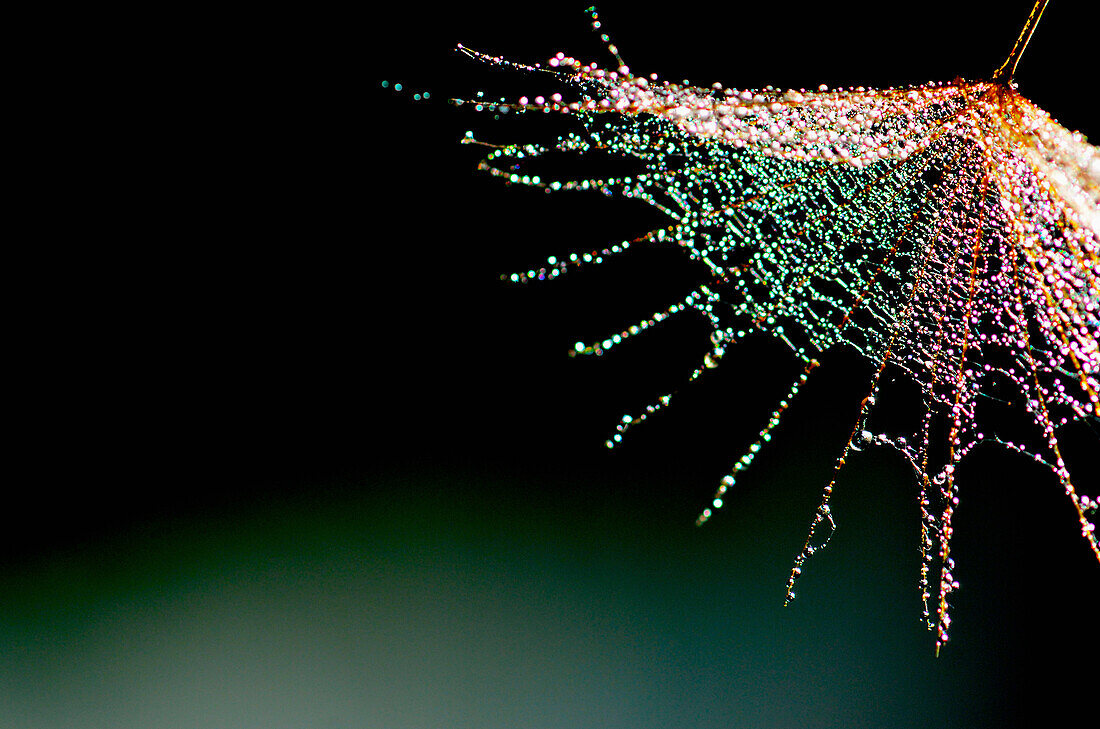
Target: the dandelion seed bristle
(946, 232)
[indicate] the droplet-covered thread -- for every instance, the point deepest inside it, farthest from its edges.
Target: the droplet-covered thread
(946, 232)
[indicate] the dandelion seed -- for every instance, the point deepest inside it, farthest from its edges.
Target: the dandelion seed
(946, 232)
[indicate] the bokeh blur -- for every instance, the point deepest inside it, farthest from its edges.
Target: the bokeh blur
(321, 468)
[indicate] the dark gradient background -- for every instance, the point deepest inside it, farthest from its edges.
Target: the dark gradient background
(330, 472)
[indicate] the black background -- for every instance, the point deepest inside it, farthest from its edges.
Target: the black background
(303, 323)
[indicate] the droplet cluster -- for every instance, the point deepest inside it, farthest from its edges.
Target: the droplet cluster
(947, 232)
